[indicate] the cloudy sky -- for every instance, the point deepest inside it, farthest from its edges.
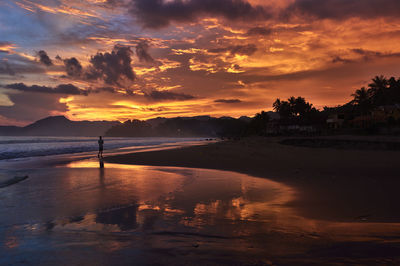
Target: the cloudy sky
(125, 59)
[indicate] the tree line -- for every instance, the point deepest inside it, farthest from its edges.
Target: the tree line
(225, 127)
(381, 91)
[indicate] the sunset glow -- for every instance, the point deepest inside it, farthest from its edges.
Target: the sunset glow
(141, 59)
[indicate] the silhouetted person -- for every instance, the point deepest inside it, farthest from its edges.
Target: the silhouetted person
(101, 142)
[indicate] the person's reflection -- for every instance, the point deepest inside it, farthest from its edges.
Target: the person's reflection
(101, 172)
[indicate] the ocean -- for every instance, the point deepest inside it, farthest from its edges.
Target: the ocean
(23, 147)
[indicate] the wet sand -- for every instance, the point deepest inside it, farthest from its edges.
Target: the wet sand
(145, 215)
(333, 184)
(341, 190)
(121, 214)
(282, 205)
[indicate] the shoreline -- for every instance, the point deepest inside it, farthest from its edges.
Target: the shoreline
(338, 215)
(65, 158)
(332, 184)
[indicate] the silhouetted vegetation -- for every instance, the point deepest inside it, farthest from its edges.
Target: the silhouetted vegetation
(258, 125)
(381, 92)
(182, 127)
(376, 106)
(373, 109)
(297, 110)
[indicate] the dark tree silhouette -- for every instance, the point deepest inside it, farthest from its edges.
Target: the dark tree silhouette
(181, 127)
(293, 108)
(301, 107)
(376, 105)
(379, 90)
(258, 125)
(362, 98)
(282, 108)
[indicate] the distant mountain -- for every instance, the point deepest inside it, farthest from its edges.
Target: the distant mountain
(157, 127)
(245, 119)
(59, 126)
(198, 126)
(9, 130)
(199, 118)
(156, 121)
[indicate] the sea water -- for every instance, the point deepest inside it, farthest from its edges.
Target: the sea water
(22, 147)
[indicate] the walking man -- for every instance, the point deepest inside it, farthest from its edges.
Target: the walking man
(101, 142)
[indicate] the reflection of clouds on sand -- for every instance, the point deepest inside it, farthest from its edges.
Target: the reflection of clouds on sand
(189, 197)
(121, 207)
(128, 197)
(124, 217)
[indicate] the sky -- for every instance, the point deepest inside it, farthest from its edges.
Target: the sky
(141, 59)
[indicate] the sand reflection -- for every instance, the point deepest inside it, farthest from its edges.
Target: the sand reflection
(172, 198)
(210, 200)
(166, 205)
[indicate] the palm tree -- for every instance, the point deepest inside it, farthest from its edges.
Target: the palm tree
(259, 123)
(292, 103)
(362, 99)
(301, 106)
(394, 90)
(277, 105)
(361, 96)
(283, 108)
(378, 90)
(378, 83)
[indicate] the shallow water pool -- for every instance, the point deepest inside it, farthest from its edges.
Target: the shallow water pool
(83, 214)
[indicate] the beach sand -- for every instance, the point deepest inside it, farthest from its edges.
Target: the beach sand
(273, 204)
(333, 184)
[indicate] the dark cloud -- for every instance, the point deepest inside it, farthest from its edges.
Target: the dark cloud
(339, 59)
(44, 58)
(366, 52)
(343, 9)
(237, 67)
(363, 55)
(72, 66)
(248, 49)
(142, 53)
(60, 89)
(368, 55)
(159, 13)
(168, 95)
(5, 68)
(112, 67)
(259, 31)
(105, 89)
(228, 101)
(12, 63)
(115, 3)
(32, 106)
(153, 95)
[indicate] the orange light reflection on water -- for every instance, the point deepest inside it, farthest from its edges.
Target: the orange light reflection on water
(200, 198)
